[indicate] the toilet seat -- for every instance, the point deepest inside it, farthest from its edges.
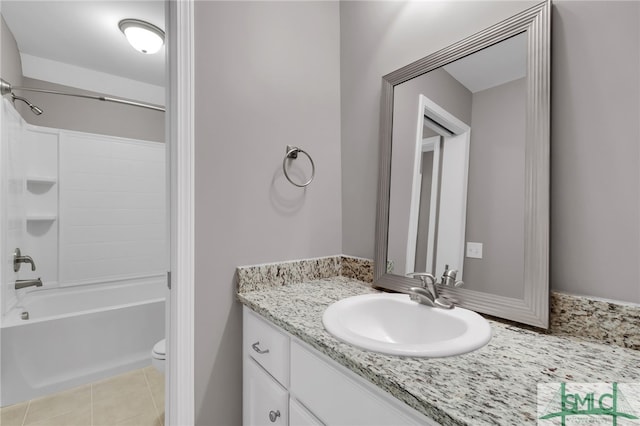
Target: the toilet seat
(158, 355)
(160, 350)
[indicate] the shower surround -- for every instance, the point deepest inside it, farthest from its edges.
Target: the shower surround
(91, 211)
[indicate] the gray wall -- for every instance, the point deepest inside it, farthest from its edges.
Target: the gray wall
(87, 115)
(595, 149)
(267, 75)
(495, 192)
(595, 184)
(422, 237)
(10, 63)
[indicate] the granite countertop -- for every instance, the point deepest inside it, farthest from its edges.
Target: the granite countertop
(496, 384)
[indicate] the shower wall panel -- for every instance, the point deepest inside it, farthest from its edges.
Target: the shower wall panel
(40, 147)
(112, 209)
(12, 224)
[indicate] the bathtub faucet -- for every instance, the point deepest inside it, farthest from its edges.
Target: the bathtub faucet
(18, 258)
(28, 283)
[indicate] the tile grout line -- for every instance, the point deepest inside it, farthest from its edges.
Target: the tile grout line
(91, 401)
(153, 400)
(91, 404)
(24, 419)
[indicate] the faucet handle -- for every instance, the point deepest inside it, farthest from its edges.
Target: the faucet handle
(423, 276)
(18, 258)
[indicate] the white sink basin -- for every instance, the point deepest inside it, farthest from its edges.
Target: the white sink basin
(393, 324)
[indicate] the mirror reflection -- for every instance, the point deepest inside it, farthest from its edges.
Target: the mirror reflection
(457, 170)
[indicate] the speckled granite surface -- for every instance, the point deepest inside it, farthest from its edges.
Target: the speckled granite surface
(357, 268)
(256, 277)
(493, 385)
(596, 320)
(273, 275)
(593, 319)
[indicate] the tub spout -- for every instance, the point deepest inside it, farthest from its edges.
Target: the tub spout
(28, 283)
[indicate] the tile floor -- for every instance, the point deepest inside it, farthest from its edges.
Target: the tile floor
(134, 399)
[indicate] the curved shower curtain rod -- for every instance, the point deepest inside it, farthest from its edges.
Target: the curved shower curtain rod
(6, 88)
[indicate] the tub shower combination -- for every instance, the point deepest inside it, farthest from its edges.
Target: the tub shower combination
(90, 212)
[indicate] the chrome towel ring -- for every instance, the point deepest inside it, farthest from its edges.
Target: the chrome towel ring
(292, 153)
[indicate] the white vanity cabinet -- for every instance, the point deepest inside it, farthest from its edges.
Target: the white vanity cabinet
(286, 382)
(265, 376)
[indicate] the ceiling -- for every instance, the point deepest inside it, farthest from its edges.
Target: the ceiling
(498, 64)
(80, 41)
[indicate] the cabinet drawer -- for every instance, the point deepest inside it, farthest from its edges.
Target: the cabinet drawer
(268, 346)
(335, 398)
(265, 402)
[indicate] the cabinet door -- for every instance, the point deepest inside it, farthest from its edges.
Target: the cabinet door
(265, 402)
(341, 398)
(300, 416)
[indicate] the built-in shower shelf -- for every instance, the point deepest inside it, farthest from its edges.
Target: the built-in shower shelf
(42, 180)
(41, 217)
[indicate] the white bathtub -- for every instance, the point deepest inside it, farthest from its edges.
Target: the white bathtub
(77, 335)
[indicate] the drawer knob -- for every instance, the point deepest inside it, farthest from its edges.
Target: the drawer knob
(273, 415)
(256, 348)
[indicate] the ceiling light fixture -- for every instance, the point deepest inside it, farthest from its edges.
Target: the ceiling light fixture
(143, 36)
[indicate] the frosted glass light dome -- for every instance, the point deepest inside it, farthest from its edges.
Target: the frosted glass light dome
(143, 36)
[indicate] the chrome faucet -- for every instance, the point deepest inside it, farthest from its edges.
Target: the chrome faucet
(18, 258)
(449, 277)
(28, 283)
(428, 293)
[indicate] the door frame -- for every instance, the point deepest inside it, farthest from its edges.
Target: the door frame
(454, 133)
(422, 145)
(180, 399)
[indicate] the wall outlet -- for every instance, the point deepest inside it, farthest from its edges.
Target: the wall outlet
(474, 250)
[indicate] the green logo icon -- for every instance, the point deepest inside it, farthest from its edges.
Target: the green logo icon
(593, 401)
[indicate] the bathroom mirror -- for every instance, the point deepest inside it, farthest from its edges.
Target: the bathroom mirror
(464, 158)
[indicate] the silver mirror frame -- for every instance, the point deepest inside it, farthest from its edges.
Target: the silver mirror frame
(533, 307)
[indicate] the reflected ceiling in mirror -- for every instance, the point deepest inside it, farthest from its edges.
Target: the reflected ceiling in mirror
(440, 188)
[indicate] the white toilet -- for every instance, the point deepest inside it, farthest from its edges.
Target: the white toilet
(158, 355)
